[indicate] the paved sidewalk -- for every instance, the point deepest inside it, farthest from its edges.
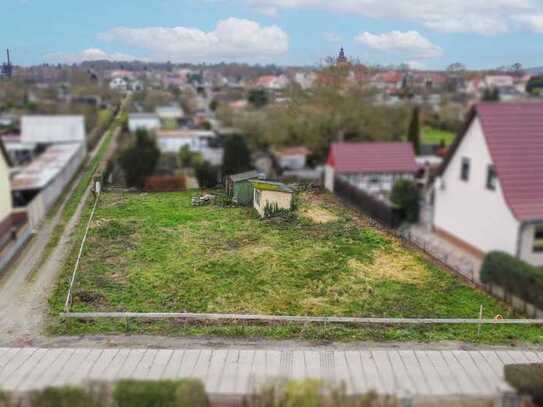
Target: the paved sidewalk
(236, 371)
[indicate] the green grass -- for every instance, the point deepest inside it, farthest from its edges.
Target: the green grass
(157, 253)
(430, 135)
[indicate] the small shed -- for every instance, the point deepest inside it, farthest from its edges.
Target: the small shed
(239, 188)
(271, 193)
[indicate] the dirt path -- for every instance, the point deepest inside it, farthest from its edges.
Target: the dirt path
(23, 300)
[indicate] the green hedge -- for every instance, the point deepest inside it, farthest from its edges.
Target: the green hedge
(527, 379)
(140, 393)
(516, 276)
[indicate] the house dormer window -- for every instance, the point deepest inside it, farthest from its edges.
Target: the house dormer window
(491, 178)
(464, 173)
(538, 239)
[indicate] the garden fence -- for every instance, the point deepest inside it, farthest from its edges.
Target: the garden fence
(372, 206)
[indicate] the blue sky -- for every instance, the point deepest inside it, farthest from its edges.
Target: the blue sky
(426, 33)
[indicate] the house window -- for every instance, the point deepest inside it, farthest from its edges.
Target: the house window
(464, 174)
(257, 196)
(491, 178)
(538, 239)
(374, 180)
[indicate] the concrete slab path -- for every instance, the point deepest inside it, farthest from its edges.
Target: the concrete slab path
(231, 371)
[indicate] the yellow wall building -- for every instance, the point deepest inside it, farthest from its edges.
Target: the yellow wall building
(274, 194)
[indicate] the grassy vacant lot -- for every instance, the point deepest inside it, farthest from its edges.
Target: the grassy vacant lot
(430, 135)
(155, 252)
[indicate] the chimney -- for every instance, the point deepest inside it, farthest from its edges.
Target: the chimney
(7, 52)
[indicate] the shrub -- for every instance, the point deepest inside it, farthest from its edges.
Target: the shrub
(140, 393)
(516, 276)
(206, 174)
(237, 157)
(62, 397)
(527, 379)
(140, 159)
(406, 196)
(311, 393)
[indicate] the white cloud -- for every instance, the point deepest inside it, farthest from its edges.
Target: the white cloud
(332, 37)
(533, 22)
(232, 39)
(91, 54)
(417, 65)
(487, 17)
(410, 44)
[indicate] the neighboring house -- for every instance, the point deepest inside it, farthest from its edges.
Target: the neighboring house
(200, 141)
(370, 166)
(498, 81)
(272, 82)
(52, 129)
(14, 230)
(5, 192)
(39, 185)
(274, 194)
(239, 188)
(489, 195)
(119, 84)
(170, 115)
(147, 121)
(292, 158)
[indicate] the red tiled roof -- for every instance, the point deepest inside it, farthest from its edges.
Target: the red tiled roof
(514, 134)
(294, 151)
(372, 157)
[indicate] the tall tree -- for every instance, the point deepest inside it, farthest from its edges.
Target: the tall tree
(140, 159)
(491, 95)
(236, 155)
(414, 130)
(258, 98)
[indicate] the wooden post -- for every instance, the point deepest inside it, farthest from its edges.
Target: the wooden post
(480, 320)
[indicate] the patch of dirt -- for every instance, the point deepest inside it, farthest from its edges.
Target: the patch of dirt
(319, 215)
(397, 266)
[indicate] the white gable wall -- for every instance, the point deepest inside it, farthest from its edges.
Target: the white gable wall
(467, 209)
(5, 191)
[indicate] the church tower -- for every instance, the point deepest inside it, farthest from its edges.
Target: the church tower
(341, 59)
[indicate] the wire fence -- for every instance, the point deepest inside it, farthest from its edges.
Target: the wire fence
(68, 303)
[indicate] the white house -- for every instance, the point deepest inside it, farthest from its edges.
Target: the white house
(173, 112)
(489, 195)
(372, 167)
(147, 121)
(201, 141)
(292, 158)
(118, 84)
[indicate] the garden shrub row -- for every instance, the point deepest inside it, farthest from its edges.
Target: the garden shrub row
(527, 379)
(514, 275)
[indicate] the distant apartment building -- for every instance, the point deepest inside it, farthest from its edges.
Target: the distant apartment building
(489, 195)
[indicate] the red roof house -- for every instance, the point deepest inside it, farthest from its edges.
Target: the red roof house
(490, 194)
(371, 165)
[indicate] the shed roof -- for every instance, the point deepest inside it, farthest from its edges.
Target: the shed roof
(514, 135)
(46, 167)
(244, 176)
(372, 157)
(271, 186)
